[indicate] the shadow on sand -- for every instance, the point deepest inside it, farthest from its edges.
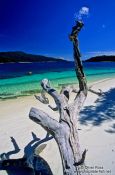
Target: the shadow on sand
(103, 110)
(111, 130)
(31, 163)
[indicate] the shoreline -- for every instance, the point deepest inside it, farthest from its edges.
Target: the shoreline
(37, 91)
(97, 139)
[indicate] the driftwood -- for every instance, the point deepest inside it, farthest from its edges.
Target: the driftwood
(65, 131)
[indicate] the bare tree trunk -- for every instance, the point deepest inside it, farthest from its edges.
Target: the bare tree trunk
(65, 131)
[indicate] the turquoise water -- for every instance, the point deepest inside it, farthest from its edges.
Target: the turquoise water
(27, 85)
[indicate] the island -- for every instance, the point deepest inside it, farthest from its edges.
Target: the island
(18, 56)
(102, 58)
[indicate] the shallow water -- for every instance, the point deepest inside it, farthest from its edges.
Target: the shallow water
(15, 82)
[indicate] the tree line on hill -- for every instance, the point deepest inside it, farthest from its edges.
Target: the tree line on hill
(7, 57)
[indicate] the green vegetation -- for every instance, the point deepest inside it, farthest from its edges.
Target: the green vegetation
(7, 57)
(102, 58)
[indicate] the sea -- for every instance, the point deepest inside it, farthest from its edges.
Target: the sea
(23, 79)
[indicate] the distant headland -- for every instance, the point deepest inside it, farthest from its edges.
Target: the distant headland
(102, 58)
(18, 56)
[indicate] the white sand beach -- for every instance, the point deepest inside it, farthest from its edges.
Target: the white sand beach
(96, 129)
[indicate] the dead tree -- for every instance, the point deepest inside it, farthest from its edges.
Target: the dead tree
(65, 131)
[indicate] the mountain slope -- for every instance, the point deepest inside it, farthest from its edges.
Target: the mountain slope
(102, 58)
(6, 57)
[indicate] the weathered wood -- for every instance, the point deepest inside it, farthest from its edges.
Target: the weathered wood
(43, 99)
(65, 131)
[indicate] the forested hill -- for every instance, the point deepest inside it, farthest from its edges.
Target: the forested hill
(102, 58)
(7, 57)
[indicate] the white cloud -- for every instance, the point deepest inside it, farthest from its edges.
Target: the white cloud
(103, 52)
(84, 11)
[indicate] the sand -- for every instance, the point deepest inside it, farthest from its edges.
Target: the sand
(96, 132)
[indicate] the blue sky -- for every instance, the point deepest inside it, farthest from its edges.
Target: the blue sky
(42, 27)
